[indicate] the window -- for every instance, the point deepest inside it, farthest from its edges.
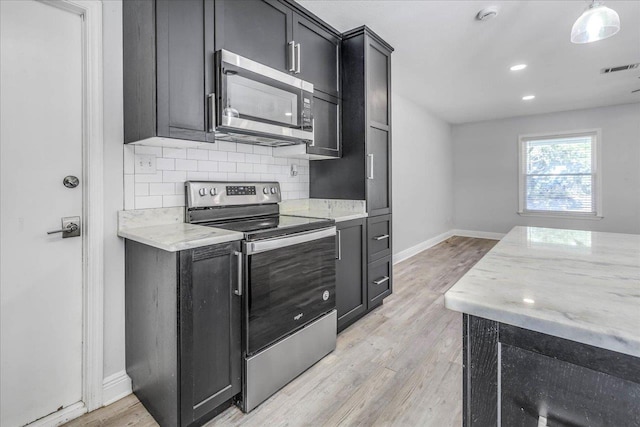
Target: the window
(559, 174)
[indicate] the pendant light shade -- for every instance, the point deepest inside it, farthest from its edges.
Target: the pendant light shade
(598, 22)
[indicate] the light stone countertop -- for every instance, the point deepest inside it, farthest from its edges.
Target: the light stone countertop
(337, 210)
(578, 285)
(179, 236)
(337, 216)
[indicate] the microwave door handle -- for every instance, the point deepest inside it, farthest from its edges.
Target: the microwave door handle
(292, 56)
(313, 131)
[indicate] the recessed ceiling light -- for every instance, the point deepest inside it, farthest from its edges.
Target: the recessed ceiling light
(528, 300)
(518, 67)
(528, 97)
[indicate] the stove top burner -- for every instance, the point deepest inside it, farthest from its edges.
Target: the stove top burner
(272, 226)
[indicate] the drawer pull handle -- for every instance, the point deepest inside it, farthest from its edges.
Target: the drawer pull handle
(381, 281)
(384, 236)
(542, 421)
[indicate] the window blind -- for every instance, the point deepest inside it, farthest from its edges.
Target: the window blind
(559, 174)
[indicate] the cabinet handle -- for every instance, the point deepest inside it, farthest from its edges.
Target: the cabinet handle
(370, 174)
(382, 237)
(292, 56)
(542, 421)
(339, 234)
(381, 281)
(298, 55)
(212, 107)
(238, 290)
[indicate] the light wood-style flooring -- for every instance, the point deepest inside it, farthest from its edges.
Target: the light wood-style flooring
(401, 365)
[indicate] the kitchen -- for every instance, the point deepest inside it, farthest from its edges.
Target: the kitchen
(451, 175)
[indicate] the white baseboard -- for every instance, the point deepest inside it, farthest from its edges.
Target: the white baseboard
(477, 234)
(62, 416)
(414, 250)
(115, 387)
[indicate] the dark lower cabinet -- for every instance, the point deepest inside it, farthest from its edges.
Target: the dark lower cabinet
(378, 237)
(380, 281)
(183, 326)
(515, 377)
(351, 275)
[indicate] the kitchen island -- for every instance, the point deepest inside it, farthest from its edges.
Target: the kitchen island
(551, 330)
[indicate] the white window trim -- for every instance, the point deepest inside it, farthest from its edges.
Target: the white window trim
(597, 172)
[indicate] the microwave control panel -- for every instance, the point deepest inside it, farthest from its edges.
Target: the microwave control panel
(306, 113)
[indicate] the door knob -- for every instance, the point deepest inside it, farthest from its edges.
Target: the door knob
(70, 227)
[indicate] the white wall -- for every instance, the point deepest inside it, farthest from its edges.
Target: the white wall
(114, 356)
(485, 158)
(422, 174)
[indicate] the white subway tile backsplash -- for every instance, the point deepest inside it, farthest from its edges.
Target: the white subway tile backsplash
(197, 176)
(161, 189)
(226, 146)
(195, 154)
(163, 164)
(244, 148)
(218, 156)
(175, 153)
(142, 189)
(207, 166)
(171, 201)
(146, 202)
(155, 177)
(186, 165)
(222, 161)
(235, 157)
(244, 167)
(226, 167)
(174, 176)
(142, 149)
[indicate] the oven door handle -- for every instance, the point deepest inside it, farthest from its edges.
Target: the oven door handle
(282, 242)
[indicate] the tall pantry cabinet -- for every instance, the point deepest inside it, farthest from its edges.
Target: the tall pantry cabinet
(364, 170)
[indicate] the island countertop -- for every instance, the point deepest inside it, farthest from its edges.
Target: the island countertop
(578, 285)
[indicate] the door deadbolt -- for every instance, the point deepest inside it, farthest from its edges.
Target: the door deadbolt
(71, 181)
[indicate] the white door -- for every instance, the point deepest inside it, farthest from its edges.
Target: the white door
(41, 275)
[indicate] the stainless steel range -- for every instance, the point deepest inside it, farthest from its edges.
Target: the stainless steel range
(288, 281)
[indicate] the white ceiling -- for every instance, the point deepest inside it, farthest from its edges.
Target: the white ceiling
(458, 68)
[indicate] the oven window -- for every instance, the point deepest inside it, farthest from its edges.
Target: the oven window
(288, 288)
(247, 98)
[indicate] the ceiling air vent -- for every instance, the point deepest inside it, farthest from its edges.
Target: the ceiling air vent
(620, 68)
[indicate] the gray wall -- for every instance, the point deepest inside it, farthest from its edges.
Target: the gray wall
(485, 177)
(422, 174)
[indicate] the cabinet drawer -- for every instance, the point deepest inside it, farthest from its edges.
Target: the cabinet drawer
(380, 281)
(562, 393)
(378, 237)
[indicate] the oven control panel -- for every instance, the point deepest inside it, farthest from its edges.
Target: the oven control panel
(241, 190)
(202, 194)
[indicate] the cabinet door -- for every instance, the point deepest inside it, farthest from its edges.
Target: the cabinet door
(378, 237)
(184, 65)
(256, 29)
(326, 125)
(319, 51)
(378, 172)
(351, 295)
(210, 322)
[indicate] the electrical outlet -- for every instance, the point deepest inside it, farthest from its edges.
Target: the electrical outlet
(145, 163)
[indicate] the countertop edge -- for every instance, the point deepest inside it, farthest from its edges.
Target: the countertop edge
(128, 233)
(607, 340)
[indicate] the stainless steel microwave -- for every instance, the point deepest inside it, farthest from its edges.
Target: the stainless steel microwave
(257, 104)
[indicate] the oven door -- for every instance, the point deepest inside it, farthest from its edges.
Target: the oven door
(257, 100)
(290, 282)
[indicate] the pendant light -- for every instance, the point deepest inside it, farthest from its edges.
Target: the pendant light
(597, 22)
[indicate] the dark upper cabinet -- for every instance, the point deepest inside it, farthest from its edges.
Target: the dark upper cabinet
(326, 124)
(319, 51)
(364, 170)
(256, 29)
(168, 48)
(210, 346)
(351, 291)
(183, 330)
